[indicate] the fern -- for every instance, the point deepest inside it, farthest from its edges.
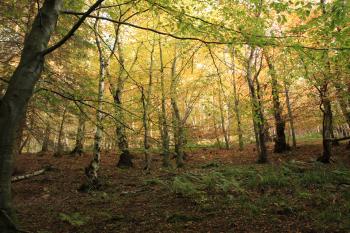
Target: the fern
(74, 219)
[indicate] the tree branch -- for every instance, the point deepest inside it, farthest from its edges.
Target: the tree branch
(4, 80)
(195, 38)
(73, 29)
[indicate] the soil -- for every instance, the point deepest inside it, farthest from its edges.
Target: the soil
(126, 203)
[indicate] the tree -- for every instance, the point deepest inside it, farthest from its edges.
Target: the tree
(146, 103)
(79, 140)
(60, 148)
(91, 171)
(164, 132)
(14, 103)
(178, 129)
(125, 159)
(236, 102)
(257, 111)
(280, 140)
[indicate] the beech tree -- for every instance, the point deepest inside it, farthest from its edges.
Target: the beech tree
(20, 88)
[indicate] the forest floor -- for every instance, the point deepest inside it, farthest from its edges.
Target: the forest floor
(217, 191)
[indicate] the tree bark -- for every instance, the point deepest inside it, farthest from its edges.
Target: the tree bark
(91, 171)
(327, 126)
(60, 145)
(342, 97)
(146, 103)
(290, 115)
(125, 159)
(280, 140)
(19, 137)
(79, 141)
(222, 117)
(258, 118)
(177, 122)
(216, 134)
(14, 103)
(236, 103)
(327, 130)
(163, 117)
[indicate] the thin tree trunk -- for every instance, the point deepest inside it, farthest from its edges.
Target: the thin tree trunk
(60, 146)
(14, 103)
(263, 128)
(91, 171)
(24, 143)
(280, 140)
(163, 118)
(327, 126)
(217, 138)
(177, 122)
(236, 103)
(125, 159)
(327, 130)
(222, 118)
(344, 104)
(290, 115)
(46, 140)
(258, 119)
(79, 141)
(146, 131)
(341, 97)
(146, 102)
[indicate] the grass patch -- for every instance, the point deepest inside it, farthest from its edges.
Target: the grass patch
(177, 217)
(153, 181)
(211, 165)
(74, 219)
(315, 192)
(183, 186)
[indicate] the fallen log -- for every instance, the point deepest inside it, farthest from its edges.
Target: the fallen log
(26, 176)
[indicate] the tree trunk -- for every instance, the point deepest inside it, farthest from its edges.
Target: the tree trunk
(177, 122)
(24, 143)
(91, 171)
(262, 126)
(146, 102)
(14, 103)
(19, 137)
(217, 138)
(344, 104)
(327, 130)
(236, 103)
(222, 117)
(125, 159)
(327, 127)
(280, 140)
(145, 123)
(60, 145)
(258, 119)
(290, 115)
(163, 118)
(341, 97)
(46, 139)
(178, 134)
(79, 141)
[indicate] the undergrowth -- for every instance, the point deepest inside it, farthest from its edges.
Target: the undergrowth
(310, 192)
